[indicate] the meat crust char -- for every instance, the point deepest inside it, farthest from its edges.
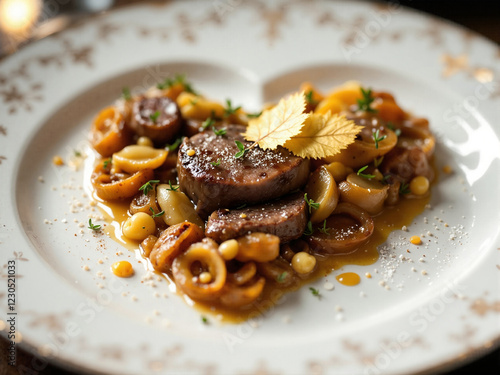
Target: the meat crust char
(259, 176)
(285, 218)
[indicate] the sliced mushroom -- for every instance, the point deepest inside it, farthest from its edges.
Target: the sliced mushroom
(369, 194)
(346, 229)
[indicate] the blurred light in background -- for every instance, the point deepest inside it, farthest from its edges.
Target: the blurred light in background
(19, 16)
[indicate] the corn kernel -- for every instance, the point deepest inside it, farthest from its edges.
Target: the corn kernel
(243, 216)
(447, 169)
(145, 141)
(229, 249)
(419, 185)
(122, 269)
(303, 262)
(191, 152)
(205, 277)
(415, 240)
(139, 226)
(57, 160)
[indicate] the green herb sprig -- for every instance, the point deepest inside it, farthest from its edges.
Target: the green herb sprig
(365, 103)
(161, 213)
(324, 229)
(309, 229)
(219, 132)
(254, 115)
(315, 292)
(364, 175)
(242, 150)
(215, 163)
(94, 227)
(230, 110)
(126, 94)
(281, 277)
(172, 188)
(311, 203)
(146, 188)
(404, 188)
(309, 97)
(377, 138)
(154, 117)
(175, 145)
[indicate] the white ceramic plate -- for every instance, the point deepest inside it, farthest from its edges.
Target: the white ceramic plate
(412, 316)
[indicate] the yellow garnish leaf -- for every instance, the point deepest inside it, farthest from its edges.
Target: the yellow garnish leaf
(323, 135)
(277, 125)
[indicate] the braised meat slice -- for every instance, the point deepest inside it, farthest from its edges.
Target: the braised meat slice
(156, 118)
(211, 175)
(285, 218)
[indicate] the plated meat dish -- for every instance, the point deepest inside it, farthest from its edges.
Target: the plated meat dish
(229, 216)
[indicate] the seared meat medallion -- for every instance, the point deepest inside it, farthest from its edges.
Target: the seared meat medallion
(285, 218)
(211, 175)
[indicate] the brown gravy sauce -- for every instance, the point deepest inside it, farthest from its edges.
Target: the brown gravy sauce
(392, 218)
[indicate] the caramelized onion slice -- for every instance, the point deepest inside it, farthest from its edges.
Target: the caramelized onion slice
(367, 194)
(172, 242)
(260, 247)
(110, 186)
(364, 150)
(419, 136)
(177, 206)
(204, 253)
(109, 134)
(147, 203)
(243, 275)
(322, 188)
(135, 158)
(348, 227)
(240, 295)
(279, 271)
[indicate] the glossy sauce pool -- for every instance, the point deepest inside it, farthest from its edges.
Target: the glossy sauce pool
(392, 218)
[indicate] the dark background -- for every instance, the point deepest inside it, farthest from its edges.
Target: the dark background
(482, 16)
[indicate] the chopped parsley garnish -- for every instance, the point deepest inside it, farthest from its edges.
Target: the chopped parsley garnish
(94, 227)
(242, 150)
(209, 122)
(242, 206)
(194, 101)
(174, 145)
(365, 175)
(366, 101)
(378, 161)
(222, 131)
(178, 79)
(315, 292)
(311, 203)
(254, 115)
(404, 188)
(215, 163)
(324, 229)
(161, 213)
(377, 138)
(230, 110)
(281, 277)
(146, 188)
(204, 320)
(309, 229)
(126, 94)
(106, 163)
(172, 188)
(154, 116)
(77, 153)
(309, 97)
